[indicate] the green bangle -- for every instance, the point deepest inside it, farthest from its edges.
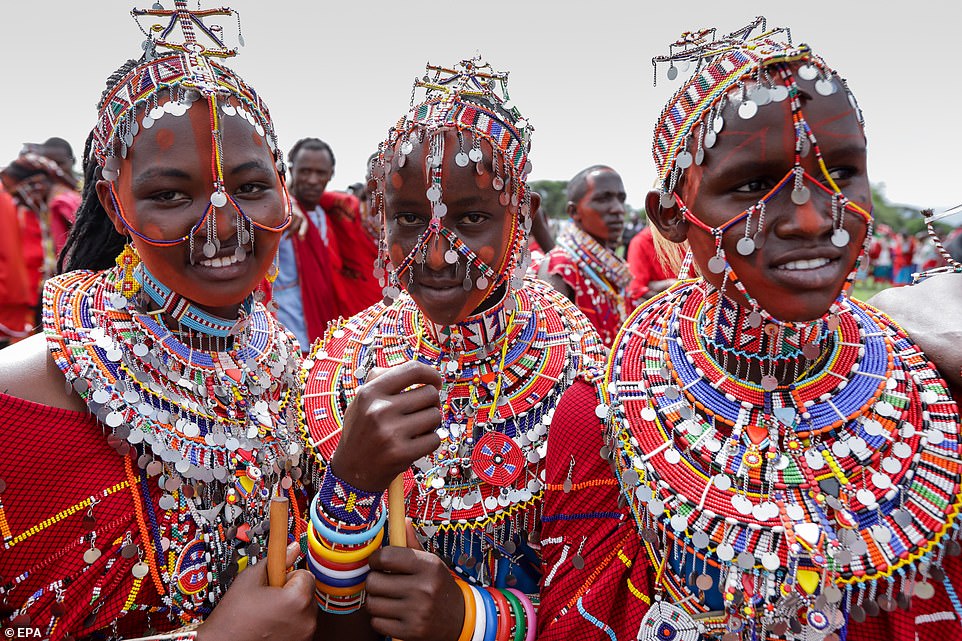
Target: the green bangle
(520, 620)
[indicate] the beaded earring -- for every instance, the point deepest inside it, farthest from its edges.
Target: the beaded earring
(128, 260)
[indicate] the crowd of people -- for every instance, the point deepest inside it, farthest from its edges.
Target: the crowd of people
(482, 426)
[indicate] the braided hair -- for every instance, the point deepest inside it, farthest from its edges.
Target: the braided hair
(93, 242)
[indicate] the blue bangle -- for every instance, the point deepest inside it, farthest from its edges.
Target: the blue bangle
(344, 538)
(490, 614)
(318, 573)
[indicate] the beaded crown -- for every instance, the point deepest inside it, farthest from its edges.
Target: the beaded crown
(738, 59)
(187, 69)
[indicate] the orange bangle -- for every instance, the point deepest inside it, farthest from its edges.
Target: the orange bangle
(470, 613)
(332, 591)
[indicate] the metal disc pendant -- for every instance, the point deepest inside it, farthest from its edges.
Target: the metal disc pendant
(482, 282)
(924, 590)
(825, 86)
(807, 72)
(240, 253)
(716, 264)
(140, 570)
(747, 110)
(461, 159)
(801, 195)
(218, 199)
(745, 246)
(672, 72)
(91, 556)
(450, 257)
(718, 124)
(407, 147)
(710, 139)
(840, 238)
(209, 249)
(811, 351)
(498, 183)
(700, 157)
(684, 159)
(778, 93)
(667, 200)
(475, 155)
(769, 383)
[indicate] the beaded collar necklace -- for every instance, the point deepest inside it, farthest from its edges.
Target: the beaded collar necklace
(785, 508)
(498, 399)
(599, 264)
(209, 426)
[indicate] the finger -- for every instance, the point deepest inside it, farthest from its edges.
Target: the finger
(417, 399)
(300, 584)
(385, 607)
(393, 562)
(413, 542)
(294, 554)
(302, 229)
(389, 627)
(400, 377)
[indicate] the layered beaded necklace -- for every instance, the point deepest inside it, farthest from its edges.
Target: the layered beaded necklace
(210, 425)
(503, 372)
(780, 509)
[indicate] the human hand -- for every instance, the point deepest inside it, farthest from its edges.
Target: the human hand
(412, 595)
(251, 609)
(389, 425)
(298, 226)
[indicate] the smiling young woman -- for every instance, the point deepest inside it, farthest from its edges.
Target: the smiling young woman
(789, 460)
(452, 381)
(157, 333)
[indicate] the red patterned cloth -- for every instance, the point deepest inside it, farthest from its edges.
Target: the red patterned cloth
(615, 586)
(53, 462)
(604, 312)
(644, 266)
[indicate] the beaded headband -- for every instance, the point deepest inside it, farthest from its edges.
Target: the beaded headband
(188, 73)
(471, 97)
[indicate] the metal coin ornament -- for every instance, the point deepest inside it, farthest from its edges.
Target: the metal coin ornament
(801, 195)
(745, 246)
(840, 238)
(716, 264)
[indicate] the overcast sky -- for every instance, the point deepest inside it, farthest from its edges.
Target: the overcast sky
(580, 71)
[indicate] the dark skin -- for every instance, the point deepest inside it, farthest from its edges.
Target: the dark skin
(600, 213)
(750, 157)
(390, 423)
(165, 183)
(928, 313)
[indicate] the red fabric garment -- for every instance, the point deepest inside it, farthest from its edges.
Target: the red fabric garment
(617, 582)
(644, 266)
(52, 461)
(603, 312)
(356, 253)
(17, 295)
(63, 212)
(315, 275)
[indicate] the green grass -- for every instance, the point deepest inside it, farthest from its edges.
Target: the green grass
(864, 290)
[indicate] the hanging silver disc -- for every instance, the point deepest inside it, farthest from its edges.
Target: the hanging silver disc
(745, 246)
(716, 264)
(747, 110)
(840, 238)
(801, 195)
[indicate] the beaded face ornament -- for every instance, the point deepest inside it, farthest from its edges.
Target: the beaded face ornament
(471, 99)
(185, 74)
(744, 73)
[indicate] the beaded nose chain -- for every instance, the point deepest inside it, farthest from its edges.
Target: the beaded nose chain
(188, 76)
(473, 98)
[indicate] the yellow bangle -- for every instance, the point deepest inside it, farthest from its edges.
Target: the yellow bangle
(470, 613)
(342, 556)
(332, 591)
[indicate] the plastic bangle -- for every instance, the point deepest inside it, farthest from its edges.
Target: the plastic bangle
(520, 620)
(490, 615)
(339, 605)
(479, 619)
(342, 574)
(344, 538)
(330, 590)
(532, 620)
(342, 556)
(333, 581)
(505, 618)
(470, 612)
(338, 567)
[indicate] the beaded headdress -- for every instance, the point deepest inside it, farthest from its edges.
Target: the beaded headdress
(471, 97)
(747, 72)
(185, 73)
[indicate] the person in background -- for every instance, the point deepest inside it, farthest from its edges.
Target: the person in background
(649, 276)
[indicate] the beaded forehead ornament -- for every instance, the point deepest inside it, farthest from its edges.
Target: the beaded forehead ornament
(746, 72)
(472, 97)
(187, 73)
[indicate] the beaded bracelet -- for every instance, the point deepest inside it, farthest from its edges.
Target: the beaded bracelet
(505, 618)
(470, 611)
(517, 612)
(357, 506)
(528, 611)
(344, 538)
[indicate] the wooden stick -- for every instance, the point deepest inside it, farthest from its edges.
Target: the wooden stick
(396, 528)
(277, 543)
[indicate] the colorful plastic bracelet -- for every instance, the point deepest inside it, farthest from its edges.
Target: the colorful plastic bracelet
(342, 556)
(343, 575)
(336, 605)
(520, 619)
(335, 582)
(470, 612)
(345, 538)
(337, 567)
(490, 615)
(529, 613)
(479, 619)
(505, 618)
(338, 591)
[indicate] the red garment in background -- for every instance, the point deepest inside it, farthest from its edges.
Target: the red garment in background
(315, 273)
(644, 266)
(605, 312)
(616, 584)
(18, 293)
(355, 253)
(63, 213)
